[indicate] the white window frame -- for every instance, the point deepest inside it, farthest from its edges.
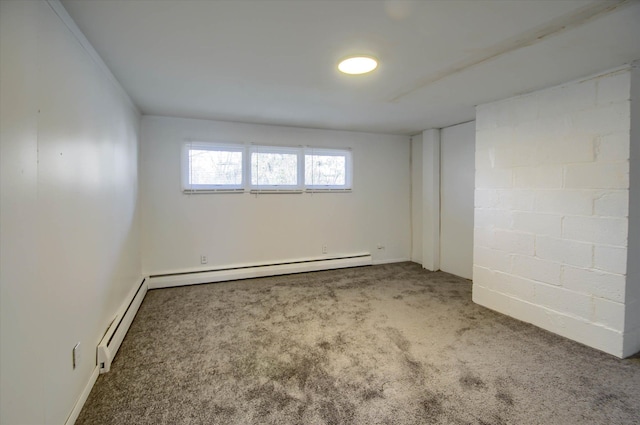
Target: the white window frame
(188, 187)
(264, 188)
(246, 182)
(348, 180)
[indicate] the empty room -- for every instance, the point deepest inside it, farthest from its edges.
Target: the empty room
(319, 212)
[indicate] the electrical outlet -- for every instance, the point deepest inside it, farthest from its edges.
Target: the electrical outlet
(324, 249)
(76, 355)
(203, 259)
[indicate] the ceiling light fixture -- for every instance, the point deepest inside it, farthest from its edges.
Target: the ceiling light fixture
(358, 64)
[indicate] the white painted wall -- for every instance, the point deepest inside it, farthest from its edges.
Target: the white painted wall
(457, 175)
(68, 211)
(416, 198)
(552, 209)
(431, 199)
(632, 293)
(244, 228)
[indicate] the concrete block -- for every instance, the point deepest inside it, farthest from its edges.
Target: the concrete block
(538, 223)
(597, 230)
(608, 313)
(482, 237)
(610, 259)
(605, 119)
(606, 285)
(523, 109)
(491, 299)
(614, 88)
(569, 149)
(504, 283)
(573, 253)
(613, 147)
(483, 160)
(516, 199)
(532, 133)
(592, 334)
(632, 314)
(547, 177)
(515, 154)
(493, 218)
(514, 242)
(612, 204)
(536, 269)
(486, 198)
(597, 176)
(578, 202)
(494, 178)
(494, 137)
(563, 301)
(514, 286)
(528, 312)
(492, 259)
(631, 342)
(559, 101)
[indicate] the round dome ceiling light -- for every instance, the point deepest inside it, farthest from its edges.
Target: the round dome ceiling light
(355, 65)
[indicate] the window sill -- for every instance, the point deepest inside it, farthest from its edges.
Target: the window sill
(328, 190)
(208, 191)
(275, 191)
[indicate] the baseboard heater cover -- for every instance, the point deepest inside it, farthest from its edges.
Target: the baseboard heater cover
(116, 332)
(259, 270)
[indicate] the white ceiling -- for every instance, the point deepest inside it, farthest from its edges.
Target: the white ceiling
(274, 62)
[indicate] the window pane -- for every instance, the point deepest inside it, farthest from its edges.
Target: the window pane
(212, 167)
(325, 170)
(274, 169)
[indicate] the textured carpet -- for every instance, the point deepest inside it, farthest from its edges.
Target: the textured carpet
(390, 344)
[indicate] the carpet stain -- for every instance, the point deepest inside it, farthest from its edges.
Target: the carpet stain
(337, 412)
(371, 393)
(471, 382)
(398, 339)
(432, 407)
(461, 331)
(269, 398)
(416, 370)
(505, 398)
(325, 345)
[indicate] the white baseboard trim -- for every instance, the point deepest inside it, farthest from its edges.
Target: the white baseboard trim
(247, 271)
(390, 261)
(75, 412)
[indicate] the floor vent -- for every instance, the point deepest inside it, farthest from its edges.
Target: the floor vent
(114, 336)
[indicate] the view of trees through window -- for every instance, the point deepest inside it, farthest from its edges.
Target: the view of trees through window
(219, 167)
(325, 170)
(215, 167)
(274, 169)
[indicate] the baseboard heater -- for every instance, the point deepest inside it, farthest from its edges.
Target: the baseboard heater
(118, 328)
(248, 271)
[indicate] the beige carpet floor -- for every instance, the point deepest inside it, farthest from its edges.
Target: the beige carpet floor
(390, 344)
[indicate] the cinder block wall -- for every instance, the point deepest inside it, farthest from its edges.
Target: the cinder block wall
(552, 207)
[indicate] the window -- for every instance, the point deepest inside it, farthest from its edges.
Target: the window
(213, 167)
(327, 169)
(275, 168)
